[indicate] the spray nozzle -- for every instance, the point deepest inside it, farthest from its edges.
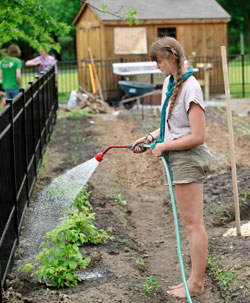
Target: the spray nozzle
(99, 157)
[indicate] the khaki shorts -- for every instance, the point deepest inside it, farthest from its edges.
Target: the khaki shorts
(187, 166)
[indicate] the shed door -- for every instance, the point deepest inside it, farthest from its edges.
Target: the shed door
(90, 38)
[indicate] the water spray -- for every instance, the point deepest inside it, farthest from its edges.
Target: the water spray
(144, 147)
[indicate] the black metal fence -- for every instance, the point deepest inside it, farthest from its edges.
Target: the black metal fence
(238, 73)
(67, 77)
(70, 74)
(25, 127)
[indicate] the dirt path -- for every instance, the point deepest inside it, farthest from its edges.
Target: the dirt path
(151, 220)
(146, 230)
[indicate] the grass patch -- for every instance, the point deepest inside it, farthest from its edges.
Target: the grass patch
(78, 113)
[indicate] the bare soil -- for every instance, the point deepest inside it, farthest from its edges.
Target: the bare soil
(146, 229)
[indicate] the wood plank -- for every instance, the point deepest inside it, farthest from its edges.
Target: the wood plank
(168, 21)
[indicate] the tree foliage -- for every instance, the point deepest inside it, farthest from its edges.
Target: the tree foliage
(45, 24)
(29, 20)
(240, 23)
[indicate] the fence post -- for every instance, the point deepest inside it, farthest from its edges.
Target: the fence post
(25, 143)
(33, 122)
(10, 102)
(243, 75)
(55, 90)
(1, 293)
(39, 113)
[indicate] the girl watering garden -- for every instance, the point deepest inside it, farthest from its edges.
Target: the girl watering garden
(180, 139)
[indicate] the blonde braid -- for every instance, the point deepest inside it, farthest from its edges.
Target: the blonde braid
(176, 90)
(169, 48)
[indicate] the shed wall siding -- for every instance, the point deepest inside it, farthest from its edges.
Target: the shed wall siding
(204, 38)
(88, 35)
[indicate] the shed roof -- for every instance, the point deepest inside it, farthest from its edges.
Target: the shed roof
(163, 9)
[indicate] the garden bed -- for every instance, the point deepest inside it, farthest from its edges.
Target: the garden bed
(144, 242)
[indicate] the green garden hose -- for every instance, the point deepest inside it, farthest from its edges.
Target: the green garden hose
(176, 227)
(99, 158)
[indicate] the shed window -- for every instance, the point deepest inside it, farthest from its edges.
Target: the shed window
(167, 31)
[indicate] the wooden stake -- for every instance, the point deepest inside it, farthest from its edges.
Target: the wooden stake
(231, 140)
(95, 73)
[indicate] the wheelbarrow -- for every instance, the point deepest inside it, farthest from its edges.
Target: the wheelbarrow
(134, 89)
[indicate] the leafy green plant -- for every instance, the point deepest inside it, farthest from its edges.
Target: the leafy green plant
(213, 212)
(223, 278)
(82, 199)
(140, 261)
(150, 285)
(122, 220)
(220, 109)
(244, 199)
(60, 259)
(226, 217)
(120, 201)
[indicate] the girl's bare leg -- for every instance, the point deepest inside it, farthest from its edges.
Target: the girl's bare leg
(189, 199)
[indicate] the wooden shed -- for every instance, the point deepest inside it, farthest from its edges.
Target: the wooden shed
(200, 26)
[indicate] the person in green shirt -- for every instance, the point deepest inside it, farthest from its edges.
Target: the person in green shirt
(10, 71)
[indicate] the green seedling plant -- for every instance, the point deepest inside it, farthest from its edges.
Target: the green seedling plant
(220, 109)
(214, 212)
(244, 122)
(80, 139)
(151, 285)
(244, 199)
(140, 261)
(243, 131)
(74, 155)
(82, 155)
(109, 229)
(120, 200)
(222, 277)
(226, 218)
(77, 127)
(59, 260)
(47, 291)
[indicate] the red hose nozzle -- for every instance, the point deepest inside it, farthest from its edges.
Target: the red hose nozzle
(99, 157)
